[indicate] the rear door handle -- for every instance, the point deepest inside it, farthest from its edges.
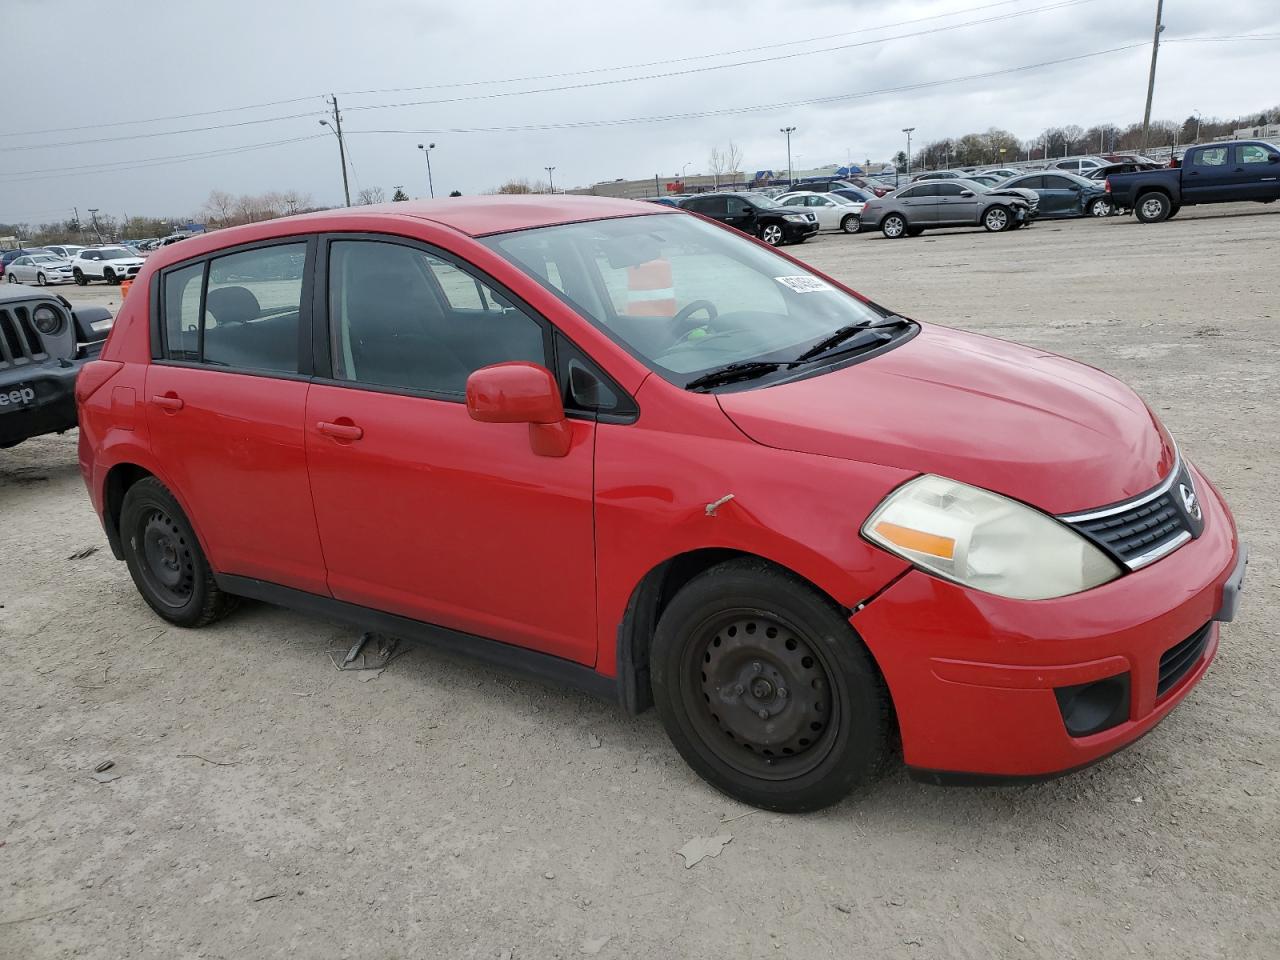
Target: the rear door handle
(340, 431)
(168, 401)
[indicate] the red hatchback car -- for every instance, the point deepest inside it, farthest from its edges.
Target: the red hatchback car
(624, 447)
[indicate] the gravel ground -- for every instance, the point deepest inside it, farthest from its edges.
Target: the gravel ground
(268, 806)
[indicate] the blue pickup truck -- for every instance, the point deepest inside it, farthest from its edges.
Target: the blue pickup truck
(1213, 173)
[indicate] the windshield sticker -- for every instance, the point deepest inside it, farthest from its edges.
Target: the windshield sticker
(805, 284)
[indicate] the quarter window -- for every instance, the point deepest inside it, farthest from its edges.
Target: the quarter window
(402, 318)
(182, 312)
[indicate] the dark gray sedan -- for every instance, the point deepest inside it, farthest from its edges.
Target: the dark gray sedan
(932, 204)
(1065, 194)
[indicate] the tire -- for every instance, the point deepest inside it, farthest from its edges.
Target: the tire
(997, 219)
(10, 277)
(165, 560)
(766, 641)
(850, 224)
(894, 226)
(80, 278)
(772, 234)
(1102, 207)
(1152, 207)
(41, 281)
(109, 275)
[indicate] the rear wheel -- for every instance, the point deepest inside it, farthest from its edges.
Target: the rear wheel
(766, 691)
(80, 278)
(850, 223)
(997, 219)
(771, 233)
(1153, 207)
(10, 277)
(165, 560)
(1102, 207)
(894, 226)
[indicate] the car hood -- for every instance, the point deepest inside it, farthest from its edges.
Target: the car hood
(1028, 424)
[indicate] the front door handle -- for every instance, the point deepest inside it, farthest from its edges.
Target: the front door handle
(340, 431)
(169, 401)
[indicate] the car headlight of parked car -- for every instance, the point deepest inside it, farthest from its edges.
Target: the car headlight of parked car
(47, 320)
(796, 218)
(982, 540)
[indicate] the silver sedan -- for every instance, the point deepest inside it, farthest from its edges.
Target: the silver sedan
(39, 268)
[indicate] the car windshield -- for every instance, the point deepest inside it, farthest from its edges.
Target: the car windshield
(45, 258)
(116, 254)
(682, 295)
(760, 200)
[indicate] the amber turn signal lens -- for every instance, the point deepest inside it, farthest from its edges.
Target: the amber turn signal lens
(917, 540)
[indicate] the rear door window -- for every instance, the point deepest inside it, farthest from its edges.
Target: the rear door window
(1211, 157)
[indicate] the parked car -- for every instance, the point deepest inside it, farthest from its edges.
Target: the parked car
(941, 175)
(834, 212)
(1076, 164)
(1003, 173)
(43, 345)
(1101, 173)
(837, 184)
(67, 251)
(39, 268)
(1065, 194)
(111, 264)
(756, 215)
(1214, 173)
(925, 206)
(661, 500)
(1001, 190)
(8, 256)
(672, 200)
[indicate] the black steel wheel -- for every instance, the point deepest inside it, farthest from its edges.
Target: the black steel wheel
(766, 690)
(165, 560)
(80, 278)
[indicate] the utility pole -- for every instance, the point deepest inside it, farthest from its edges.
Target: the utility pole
(93, 215)
(788, 131)
(551, 184)
(1151, 80)
(426, 151)
(908, 132)
(656, 191)
(336, 127)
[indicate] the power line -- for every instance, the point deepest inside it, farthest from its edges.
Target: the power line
(688, 59)
(176, 116)
(1061, 4)
(754, 108)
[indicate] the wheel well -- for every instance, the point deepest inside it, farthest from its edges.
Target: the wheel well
(1147, 191)
(650, 598)
(119, 479)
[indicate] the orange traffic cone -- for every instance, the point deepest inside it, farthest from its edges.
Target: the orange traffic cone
(650, 290)
(124, 288)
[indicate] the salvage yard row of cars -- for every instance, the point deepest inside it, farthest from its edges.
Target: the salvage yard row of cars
(1001, 199)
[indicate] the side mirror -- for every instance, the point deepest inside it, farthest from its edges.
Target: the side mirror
(966, 193)
(1273, 158)
(521, 392)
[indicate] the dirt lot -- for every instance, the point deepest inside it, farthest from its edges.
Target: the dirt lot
(268, 806)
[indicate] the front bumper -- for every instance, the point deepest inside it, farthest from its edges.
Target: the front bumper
(978, 680)
(52, 409)
(799, 231)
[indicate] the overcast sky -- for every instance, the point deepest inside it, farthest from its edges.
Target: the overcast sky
(78, 63)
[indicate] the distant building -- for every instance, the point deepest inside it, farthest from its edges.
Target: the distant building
(1270, 132)
(662, 186)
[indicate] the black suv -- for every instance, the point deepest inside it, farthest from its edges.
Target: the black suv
(757, 215)
(43, 345)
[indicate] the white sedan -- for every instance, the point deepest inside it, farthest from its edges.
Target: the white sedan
(833, 211)
(39, 268)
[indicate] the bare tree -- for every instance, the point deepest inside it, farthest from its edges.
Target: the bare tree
(370, 195)
(716, 164)
(732, 158)
(219, 207)
(295, 201)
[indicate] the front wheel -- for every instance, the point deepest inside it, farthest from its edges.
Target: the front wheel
(165, 560)
(766, 690)
(41, 281)
(997, 219)
(109, 275)
(80, 278)
(771, 234)
(1153, 207)
(894, 226)
(1102, 207)
(850, 223)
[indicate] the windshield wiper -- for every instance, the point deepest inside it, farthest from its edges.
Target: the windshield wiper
(732, 373)
(848, 333)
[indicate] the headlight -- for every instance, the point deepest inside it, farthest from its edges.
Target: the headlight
(983, 540)
(796, 217)
(47, 320)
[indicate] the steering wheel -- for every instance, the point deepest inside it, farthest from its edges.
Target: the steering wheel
(681, 327)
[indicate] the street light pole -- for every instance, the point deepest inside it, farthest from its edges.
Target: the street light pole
(1151, 80)
(426, 152)
(788, 131)
(336, 127)
(551, 183)
(908, 131)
